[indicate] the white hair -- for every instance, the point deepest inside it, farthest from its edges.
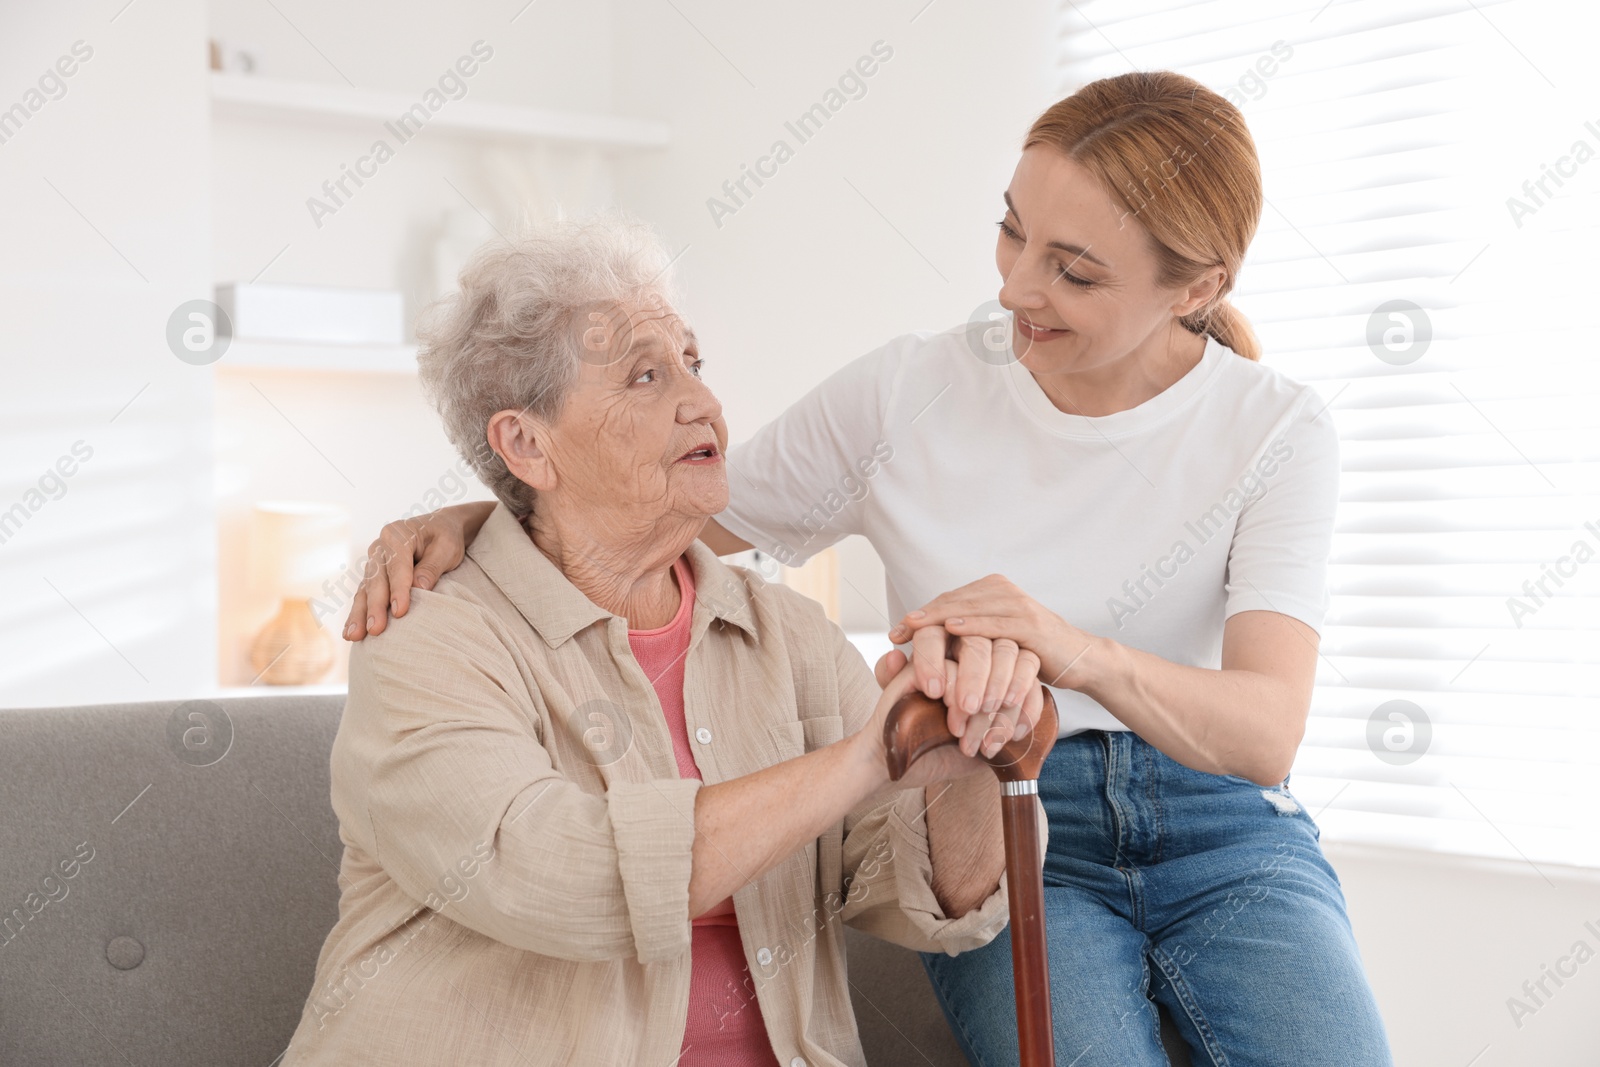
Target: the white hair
(509, 337)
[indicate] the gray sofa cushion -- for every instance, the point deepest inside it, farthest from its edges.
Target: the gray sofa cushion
(214, 865)
(168, 872)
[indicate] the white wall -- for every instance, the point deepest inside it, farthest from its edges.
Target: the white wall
(1448, 940)
(807, 275)
(109, 575)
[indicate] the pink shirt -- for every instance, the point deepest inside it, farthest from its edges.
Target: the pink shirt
(725, 1028)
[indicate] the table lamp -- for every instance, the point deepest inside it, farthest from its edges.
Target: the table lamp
(295, 547)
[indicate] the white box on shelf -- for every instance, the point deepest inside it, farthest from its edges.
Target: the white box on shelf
(313, 313)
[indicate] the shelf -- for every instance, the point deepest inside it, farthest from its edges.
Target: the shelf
(289, 355)
(250, 96)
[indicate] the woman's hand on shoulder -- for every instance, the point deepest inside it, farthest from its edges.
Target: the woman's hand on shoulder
(411, 552)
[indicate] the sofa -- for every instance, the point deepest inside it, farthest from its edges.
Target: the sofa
(168, 874)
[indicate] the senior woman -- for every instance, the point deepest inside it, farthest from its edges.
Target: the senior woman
(1160, 505)
(604, 798)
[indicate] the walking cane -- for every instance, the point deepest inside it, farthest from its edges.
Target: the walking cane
(916, 725)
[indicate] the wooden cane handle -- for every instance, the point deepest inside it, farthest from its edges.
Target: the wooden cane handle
(917, 724)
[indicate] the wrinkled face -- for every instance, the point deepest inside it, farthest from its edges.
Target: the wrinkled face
(1078, 269)
(640, 439)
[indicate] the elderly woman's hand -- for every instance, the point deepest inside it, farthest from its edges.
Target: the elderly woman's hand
(410, 552)
(941, 764)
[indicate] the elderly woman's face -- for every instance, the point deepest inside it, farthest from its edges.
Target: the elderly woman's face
(640, 433)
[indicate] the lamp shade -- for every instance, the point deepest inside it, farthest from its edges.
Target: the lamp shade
(296, 546)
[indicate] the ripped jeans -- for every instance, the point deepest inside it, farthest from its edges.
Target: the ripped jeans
(1205, 893)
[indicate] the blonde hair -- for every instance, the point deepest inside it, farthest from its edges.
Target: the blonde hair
(1179, 158)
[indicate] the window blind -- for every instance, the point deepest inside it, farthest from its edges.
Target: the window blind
(1426, 261)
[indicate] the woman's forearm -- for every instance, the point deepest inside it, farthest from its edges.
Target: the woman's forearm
(1246, 718)
(966, 841)
(745, 826)
(1220, 721)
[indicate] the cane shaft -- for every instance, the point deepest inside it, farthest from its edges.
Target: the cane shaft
(1030, 962)
(917, 725)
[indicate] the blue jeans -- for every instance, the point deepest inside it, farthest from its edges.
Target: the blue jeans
(1202, 892)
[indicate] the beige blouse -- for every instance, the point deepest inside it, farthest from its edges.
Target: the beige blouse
(517, 840)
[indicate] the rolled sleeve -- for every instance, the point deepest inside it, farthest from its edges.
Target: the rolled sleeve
(891, 882)
(653, 823)
(441, 751)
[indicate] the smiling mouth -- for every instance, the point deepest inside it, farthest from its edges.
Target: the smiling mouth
(1031, 327)
(704, 452)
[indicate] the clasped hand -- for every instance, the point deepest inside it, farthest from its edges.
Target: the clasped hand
(1004, 643)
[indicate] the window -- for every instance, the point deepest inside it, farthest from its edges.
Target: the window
(1426, 259)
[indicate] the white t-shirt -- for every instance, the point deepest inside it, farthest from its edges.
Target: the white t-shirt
(1150, 526)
